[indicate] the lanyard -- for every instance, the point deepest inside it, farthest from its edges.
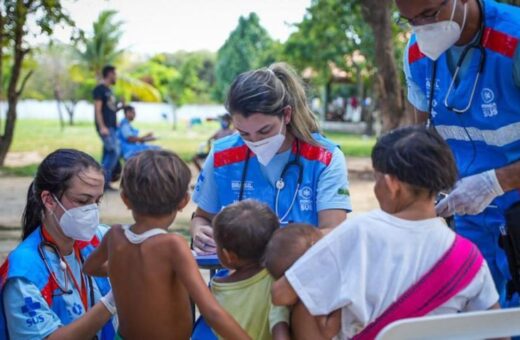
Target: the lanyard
(83, 290)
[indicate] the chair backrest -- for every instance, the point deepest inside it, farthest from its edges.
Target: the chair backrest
(474, 325)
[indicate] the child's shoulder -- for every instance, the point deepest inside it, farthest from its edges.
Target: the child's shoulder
(170, 242)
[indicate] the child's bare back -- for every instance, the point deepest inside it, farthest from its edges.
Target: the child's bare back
(153, 273)
(151, 300)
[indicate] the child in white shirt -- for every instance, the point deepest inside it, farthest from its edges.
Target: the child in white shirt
(367, 263)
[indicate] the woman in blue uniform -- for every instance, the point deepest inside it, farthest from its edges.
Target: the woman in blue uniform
(43, 291)
(278, 157)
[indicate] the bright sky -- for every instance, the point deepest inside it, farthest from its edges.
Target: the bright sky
(153, 26)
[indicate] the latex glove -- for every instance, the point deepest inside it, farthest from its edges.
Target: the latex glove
(471, 195)
(109, 302)
(203, 242)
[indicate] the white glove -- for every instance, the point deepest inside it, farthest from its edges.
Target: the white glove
(471, 195)
(108, 301)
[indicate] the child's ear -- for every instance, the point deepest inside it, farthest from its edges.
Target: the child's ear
(393, 185)
(184, 202)
(229, 256)
(125, 200)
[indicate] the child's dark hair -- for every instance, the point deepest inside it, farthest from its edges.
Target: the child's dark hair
(54, 174)
(128, 108)
(287, 245)
(245, 228)
(417, 156)
(155, 182)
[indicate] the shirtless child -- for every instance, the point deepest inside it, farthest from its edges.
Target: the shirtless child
(153, 273)
(285, 247)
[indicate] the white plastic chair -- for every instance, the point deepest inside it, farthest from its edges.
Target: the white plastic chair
(474, 325)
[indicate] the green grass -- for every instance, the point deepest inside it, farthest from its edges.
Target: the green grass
(45, 136)
(21, 171)
(353, 145)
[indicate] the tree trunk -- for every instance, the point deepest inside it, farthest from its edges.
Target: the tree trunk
(12, 92)
(57, 98)
(70, 107)
(326, 100)
(378, 15)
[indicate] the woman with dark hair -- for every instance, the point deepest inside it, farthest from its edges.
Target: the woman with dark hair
(278, 157)
(43, 291)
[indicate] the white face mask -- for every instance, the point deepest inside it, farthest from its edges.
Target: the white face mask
(436, 38)
(79, 223)
(265, 149)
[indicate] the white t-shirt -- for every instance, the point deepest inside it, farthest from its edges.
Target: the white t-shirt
(368, 262)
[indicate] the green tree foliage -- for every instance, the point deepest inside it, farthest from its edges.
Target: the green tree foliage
(182, 78)
(101, 47)
(331, 31)
(249, 46)
(359, 38)
(15, 19)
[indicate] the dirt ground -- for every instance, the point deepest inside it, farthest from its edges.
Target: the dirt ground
(13, 191)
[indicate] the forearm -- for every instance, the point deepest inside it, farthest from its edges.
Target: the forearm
(509, 176)
(330, 219)
(99, 270)
(99, 119)
(86, 326)
(96, 263)
(330, 325)
(134, 139)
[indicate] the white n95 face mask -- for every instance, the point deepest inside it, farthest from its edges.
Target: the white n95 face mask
(436, 38)
(79, 223)
(265, 149)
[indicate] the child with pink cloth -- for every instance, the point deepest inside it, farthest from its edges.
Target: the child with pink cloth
(397, 262)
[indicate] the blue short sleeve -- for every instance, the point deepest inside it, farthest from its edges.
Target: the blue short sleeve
(333, 187)
(205, 194)
(416, 96)
(126, 130)
(28, 316)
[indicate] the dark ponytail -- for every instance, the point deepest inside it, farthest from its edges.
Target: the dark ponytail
(32, 214)
(53, 175)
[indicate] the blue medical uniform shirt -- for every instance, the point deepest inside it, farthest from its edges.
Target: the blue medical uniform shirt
(330, 192)
(28, 315)
(419, 99)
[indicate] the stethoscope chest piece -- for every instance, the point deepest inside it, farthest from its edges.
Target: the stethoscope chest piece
(280, 184)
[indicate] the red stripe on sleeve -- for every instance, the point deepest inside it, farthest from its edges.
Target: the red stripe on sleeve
(230, 156)
(499, 42)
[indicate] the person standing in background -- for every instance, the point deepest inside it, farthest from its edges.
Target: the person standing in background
(105, 109)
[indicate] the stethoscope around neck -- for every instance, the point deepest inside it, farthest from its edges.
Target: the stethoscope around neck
(478, 45)
(64, 290)
(280, 183)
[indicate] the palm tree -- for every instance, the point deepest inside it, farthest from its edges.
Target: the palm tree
(102, 49)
